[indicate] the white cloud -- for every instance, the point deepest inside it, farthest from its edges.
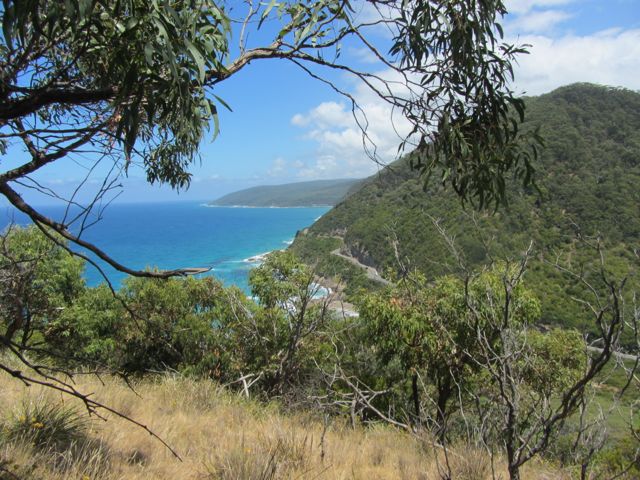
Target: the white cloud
(374, 14)
(559, 57)
(325, 115)
(324, 167)
(538, 22)
(277, 167)
(198, 179)
(363, 55)
(521, 7)
(609, 57)
(341, 148)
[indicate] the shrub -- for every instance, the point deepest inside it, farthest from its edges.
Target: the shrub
(473, 465)
(46, 426)
(268, 459)
(619, 458)
(244, 464)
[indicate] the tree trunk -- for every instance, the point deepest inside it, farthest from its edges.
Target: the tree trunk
(514, 468)
(444, 393)
(415, 394)
(514, 472)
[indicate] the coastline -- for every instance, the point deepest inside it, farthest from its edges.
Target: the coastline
(259, 258)
(231, 241)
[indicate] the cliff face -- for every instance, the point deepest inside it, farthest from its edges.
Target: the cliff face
(361, 254)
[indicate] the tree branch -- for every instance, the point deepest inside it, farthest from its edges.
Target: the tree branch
(38, 99)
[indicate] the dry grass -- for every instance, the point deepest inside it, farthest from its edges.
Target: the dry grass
(222, 436)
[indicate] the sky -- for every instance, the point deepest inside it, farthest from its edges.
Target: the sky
(287, 127)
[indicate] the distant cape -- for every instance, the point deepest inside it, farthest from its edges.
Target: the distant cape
(300, 194)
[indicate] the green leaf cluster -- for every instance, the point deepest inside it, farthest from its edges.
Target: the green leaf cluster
(152, 325)
(432, 328)
(148, 61)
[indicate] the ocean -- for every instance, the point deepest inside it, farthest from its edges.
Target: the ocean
(230, 240)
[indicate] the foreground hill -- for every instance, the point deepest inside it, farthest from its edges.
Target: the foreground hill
(218, 434)
(589, 180)
(301, 194)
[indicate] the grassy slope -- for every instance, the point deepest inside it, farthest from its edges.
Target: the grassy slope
(589, 175)
(321, 192)
(223, 436)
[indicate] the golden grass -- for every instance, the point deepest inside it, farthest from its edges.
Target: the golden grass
(220, 435)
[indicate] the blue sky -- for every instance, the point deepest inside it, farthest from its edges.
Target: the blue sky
(286, 126)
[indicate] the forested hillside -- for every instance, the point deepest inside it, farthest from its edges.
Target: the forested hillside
(588, 177)
(300, 194)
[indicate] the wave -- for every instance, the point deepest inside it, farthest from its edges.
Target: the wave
(257, 259)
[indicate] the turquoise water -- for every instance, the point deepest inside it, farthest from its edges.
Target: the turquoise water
(187, 234)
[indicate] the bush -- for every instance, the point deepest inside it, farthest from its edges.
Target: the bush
(279, 457)
(174, 324)
(622, 456)
(473, 465)
(46, 426)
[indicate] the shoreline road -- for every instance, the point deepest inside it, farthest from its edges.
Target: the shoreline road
(372, 273)
(623, 356)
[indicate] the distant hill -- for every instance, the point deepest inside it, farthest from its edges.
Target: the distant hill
(589, 177)
(301, 194)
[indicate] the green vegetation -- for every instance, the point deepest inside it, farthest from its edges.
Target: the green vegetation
(424, 355)
(585, 205)
(153, 325)
(132, 82)
(589, 184)
(37, 282)
(289, 329)
(430, 329)
(301, 194)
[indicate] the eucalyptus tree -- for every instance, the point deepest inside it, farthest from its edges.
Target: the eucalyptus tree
(430, 329)
(38, 280)
(280, 339)
(134, 82)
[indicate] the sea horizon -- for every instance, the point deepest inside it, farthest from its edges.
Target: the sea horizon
(186, 234)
